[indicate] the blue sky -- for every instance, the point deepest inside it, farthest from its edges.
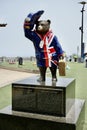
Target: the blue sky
(65, 19)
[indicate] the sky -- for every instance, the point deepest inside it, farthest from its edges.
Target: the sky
(65, 16)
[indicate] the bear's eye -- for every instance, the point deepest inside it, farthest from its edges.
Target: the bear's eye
(42, 24)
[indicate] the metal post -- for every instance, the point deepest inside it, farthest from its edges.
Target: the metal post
(81, 28)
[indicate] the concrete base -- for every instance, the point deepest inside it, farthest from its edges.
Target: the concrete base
(16, 120)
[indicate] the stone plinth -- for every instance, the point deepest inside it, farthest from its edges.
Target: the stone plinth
(47, 98)
(16, 120)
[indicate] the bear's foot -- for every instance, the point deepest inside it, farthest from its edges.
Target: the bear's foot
(54, 79)
(40, 80)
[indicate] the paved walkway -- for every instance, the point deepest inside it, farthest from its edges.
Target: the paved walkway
(9, 76)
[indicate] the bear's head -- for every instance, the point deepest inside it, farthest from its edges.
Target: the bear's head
(43, 26)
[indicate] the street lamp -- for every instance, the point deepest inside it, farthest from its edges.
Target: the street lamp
(3, 25)
(81, 28)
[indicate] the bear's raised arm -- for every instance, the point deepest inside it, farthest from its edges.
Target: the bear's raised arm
(31, 19)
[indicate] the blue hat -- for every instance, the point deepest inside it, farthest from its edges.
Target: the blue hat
(35, 16)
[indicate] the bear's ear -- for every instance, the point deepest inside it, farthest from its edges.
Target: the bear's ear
(49, 21)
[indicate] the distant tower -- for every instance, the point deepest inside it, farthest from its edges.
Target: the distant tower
(85, 48)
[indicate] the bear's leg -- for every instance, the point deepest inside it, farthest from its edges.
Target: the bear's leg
(42, 74)
(53, 72)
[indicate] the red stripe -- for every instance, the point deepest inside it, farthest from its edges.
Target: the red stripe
(46, 56)
(51, 50)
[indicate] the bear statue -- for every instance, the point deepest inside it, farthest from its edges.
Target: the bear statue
(48, 50)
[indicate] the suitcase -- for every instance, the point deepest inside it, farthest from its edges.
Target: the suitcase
(62, 68)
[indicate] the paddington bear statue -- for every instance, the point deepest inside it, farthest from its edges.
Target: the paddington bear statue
(47, 47)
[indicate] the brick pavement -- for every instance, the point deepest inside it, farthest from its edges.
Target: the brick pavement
(9, 76)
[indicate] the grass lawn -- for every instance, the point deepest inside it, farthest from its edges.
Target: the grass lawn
(5, 96)
(77, 71)
(28, 65)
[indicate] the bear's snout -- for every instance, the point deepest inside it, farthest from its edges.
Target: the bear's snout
(40, 27)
